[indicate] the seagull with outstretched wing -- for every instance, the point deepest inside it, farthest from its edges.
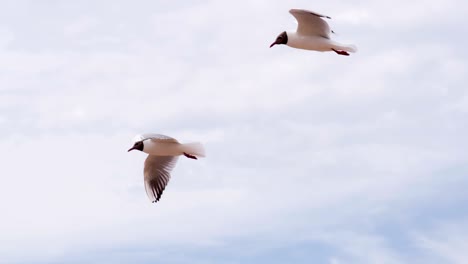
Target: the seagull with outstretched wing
(312, 33)
(163, 154)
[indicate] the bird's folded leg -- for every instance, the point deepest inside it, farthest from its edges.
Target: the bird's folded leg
(189, 156)
(341, 52)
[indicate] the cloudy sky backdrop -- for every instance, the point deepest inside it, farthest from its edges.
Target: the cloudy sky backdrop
(312, 157)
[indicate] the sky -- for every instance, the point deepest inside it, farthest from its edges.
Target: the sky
(311, 157)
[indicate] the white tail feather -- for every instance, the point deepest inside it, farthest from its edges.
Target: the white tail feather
(195, 149)
(351, 48)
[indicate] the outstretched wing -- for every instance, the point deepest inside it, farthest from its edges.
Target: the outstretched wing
(157, 173)
(155, 137)
(310, 23)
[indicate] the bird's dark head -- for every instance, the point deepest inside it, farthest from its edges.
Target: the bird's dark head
(138, 146)
(281, 39)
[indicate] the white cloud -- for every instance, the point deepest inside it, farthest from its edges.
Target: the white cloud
(6, 37)
(80, 26)
(302, 146)
(447, 241)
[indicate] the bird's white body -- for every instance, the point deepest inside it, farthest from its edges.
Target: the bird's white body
(160, 145)
(317, 43)
(161, 148)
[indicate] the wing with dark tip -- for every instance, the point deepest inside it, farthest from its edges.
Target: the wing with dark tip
(310, 23)
(157, 173)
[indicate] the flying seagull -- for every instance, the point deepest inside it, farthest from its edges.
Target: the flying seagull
(313, 33)
(163, 154)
